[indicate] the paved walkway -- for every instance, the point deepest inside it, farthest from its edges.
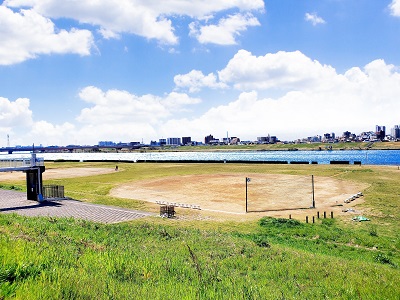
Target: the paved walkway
(15, 202)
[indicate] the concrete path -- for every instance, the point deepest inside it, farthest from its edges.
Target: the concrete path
(15, 202)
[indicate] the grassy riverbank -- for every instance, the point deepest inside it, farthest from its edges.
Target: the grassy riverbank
(215, 258)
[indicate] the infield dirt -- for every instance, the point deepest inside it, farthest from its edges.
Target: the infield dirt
(227, 192)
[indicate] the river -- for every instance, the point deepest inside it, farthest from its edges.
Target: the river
(365, 157)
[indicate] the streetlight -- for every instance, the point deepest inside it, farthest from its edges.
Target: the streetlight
(247, 180)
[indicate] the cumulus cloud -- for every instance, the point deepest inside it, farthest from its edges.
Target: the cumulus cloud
(395, 8)
(48, 133)
(150, 19)
(281, 70)
(225, 32)
(317, 99)
(26, 34)
(122, 114)
(195, 80)
(15, 113)
(176, 101)
(314, 19)
(118, 106)
(16, 120)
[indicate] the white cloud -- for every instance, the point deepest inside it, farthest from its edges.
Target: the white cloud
(314, 19)
(15, 113)
(225, 32)
(150, 19)
(281, 70)
(115, 106)
(26, 34)
(395, 8)
(176, 101)
(122, 115)
(355, 101)
(195, 80)
(49, 134)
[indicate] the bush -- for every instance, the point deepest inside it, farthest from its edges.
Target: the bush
(279, 222)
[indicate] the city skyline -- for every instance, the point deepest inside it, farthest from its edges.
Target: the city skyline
(82, 72)
(393, 133)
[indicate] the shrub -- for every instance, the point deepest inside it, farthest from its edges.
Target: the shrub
(279, 222)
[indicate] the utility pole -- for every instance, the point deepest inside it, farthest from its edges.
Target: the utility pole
(312, 184)
(247, 180)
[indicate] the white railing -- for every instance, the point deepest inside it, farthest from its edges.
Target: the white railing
(14, 163)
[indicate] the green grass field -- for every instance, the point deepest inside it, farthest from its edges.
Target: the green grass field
(243, 258)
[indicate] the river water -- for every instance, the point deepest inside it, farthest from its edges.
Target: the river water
(365, 157)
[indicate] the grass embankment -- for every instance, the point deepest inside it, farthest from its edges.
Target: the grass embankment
(49, 258)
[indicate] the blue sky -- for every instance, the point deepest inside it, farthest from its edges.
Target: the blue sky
(79, 72)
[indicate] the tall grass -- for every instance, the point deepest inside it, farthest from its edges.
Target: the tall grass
(48, 258)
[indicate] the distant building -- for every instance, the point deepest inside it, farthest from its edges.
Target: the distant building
(162, 142)
(173, 141)
(106, 143)
(214, 142)
(314, 139)
(380, 132)
(329, 137)
(273, 139)
(234, 141)
(262, 140)
(396, 132)
(187, 140)
(346, 135)
(267, 139)
(226, 141)
(208, 139)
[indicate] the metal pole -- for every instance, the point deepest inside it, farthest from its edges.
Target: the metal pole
(312, 183)
(40, 196)
(246, 194)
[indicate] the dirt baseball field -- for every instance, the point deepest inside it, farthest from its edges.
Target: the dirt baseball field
(227, 192)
